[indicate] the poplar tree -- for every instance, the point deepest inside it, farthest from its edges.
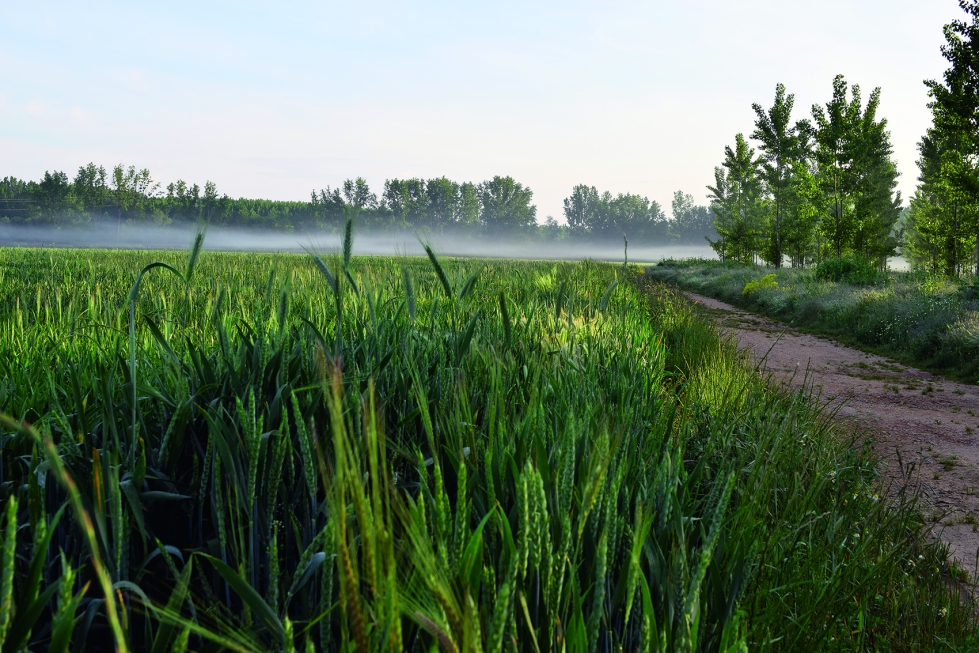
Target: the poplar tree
(806, 207)
(835, 134)
(92, 190)
(877, 205)
(781, 144)
(945, 211)
(737, 201)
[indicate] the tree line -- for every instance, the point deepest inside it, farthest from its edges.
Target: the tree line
(942, 226)
(102, 199)
(825, 186)
(813, 188)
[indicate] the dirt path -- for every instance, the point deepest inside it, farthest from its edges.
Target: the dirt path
(932, 422)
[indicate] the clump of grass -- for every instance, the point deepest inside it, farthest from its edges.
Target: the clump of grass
(948, 463)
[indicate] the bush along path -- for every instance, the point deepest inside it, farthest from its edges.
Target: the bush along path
(925, 428)
(927, 321)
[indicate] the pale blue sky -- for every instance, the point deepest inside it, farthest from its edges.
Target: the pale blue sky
(275, 100)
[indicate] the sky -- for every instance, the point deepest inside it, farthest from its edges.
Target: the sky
(276, 99)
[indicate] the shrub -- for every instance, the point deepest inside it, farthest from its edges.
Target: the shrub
(767, 282)
(854, 271)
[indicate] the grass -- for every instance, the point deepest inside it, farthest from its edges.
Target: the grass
(918, 318)
(263, 452)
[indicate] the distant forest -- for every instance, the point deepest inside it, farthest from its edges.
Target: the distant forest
(100, 199)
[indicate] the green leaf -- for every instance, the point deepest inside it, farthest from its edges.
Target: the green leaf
(31, 587)
(462, 345)
(505, 316)
(314, 562)
(321, 266)
(158, 335)
(603, 304)
(166, 632)
(348, 242)
(61, 636)
(131, 496)
(471, 564)
(439, 272)
(21, 628)
(468, 285)
(158, 495)
(259, 607)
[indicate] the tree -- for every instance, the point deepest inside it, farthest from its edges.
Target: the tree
(737, 203)
(927, 234)
(635, 216)
(781, 144)
(725, 213)
(15, 199)
(469, 208)
(358, 194)
(210, 199)
(507, 205)
(602, 215)
(691, 223)
(182, 200)
(52, 197)
(805, 207)
(552, 230)
(328, 206)
(580, 206)
(130, 189)
(945, 211)
(443, 201)
(836, 136)
(408, 200)
(92, 190)
(937, 233)
(877, 205)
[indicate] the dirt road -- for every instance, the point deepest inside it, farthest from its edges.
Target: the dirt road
(932, 422)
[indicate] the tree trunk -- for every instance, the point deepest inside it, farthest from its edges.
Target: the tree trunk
(955, 240)
(778, 238)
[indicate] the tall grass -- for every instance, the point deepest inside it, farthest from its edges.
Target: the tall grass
(341, 453)
(920, 318)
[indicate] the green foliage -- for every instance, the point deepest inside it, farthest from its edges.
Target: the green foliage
(502, 206)
(943, 221)
(691, 223)
(738, 204)
(401, 454)
(95, 199)
(782, 144)
(820, 188)
(919, 317)
(608, 217)
(506, 205)
(855, 271)
(767, 282)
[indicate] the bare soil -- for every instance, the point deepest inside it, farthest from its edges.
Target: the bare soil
(927, 422)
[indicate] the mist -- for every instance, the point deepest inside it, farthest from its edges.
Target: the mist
(147, 237)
